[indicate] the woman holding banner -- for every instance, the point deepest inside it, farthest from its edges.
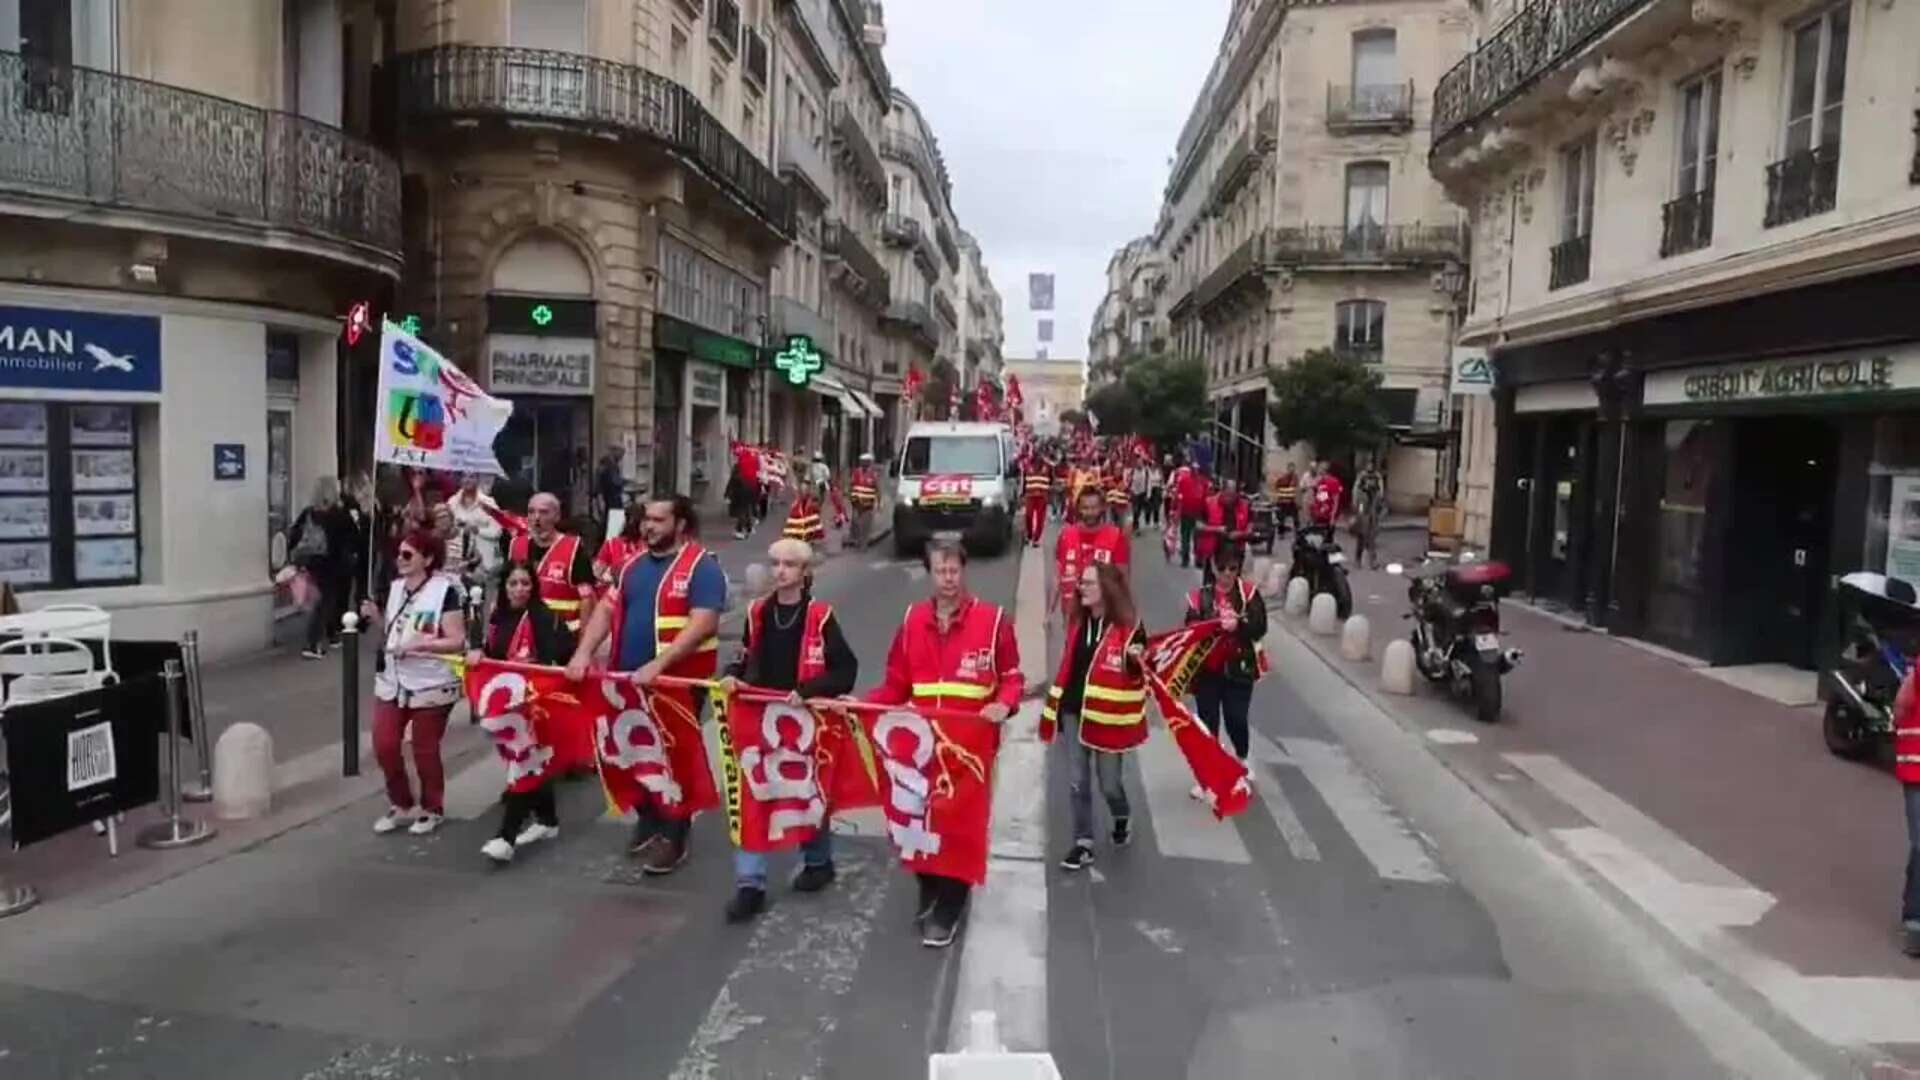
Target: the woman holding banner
(524, 630)
(1100, 694)
(1224, 688)
(416, 683)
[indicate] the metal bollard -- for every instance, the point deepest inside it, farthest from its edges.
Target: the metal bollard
(176, 831)
(350, 695)
(201, 789)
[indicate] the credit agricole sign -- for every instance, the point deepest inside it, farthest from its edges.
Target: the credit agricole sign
(1865, 371)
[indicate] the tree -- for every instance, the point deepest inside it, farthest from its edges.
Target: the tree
(1072, 418)
(1158, 395)
(936, 394)
(1327, 401)
(1114, 406)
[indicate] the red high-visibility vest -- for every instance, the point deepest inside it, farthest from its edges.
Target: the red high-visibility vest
(958, 672)
(813, 636)
(1113, 703)
(672, 612)
(554, 576)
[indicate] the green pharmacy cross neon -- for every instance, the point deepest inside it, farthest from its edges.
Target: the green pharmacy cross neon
(800, 360)
(541, 314)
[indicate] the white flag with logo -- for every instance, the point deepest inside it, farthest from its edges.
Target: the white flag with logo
(431, 415)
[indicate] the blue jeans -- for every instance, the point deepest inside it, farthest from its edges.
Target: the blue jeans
(1090, 767)
(1910, 904)
(750, 867)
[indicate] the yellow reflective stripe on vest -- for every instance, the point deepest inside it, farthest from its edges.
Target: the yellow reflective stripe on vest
(972, 691)
(680, 622)
(564, 605)
(1102, 693)
(1103, 716)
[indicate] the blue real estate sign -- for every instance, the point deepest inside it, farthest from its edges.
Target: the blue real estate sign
(56, 349)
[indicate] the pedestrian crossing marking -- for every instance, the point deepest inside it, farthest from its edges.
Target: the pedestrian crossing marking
(1270, 795)
(475, 789)
(1183, 827)
(1395, 852)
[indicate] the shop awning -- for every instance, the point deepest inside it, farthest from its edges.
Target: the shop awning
(867, 403)
(828, 386)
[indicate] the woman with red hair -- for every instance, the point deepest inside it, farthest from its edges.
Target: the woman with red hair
(416, 681)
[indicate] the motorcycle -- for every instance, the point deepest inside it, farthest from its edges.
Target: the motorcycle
(1880, 632)
(1318, 558)
(1456, 631)
(1263, 523)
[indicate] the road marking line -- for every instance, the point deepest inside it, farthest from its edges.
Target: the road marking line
(1270, 795)
(1624, 820)
(1387, 842)
(1183, 827)
(1445, 736)
(474, 790)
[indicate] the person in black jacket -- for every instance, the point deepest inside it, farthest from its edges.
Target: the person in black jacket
(775, 637)
(321, 542)
(524, 630)
(1223, 689)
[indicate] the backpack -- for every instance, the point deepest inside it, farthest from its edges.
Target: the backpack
(312, 545)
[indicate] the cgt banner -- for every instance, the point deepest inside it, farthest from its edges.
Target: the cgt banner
(936, 788)
(81, 757)
(788, 768)
(431, 415)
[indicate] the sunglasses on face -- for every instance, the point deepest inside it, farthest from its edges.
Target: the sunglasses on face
(408, 553)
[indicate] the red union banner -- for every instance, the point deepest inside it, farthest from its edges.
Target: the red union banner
(942, 488)
(1219, 774)
(646, 744)
(1175, 656)
(936, 788)
(787, 769)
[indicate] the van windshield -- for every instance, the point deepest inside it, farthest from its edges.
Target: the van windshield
(977, 455)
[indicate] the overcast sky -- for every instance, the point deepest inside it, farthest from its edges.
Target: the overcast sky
(1056, 118)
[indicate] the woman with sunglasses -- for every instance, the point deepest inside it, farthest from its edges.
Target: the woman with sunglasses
(416, 683)
(524, 630)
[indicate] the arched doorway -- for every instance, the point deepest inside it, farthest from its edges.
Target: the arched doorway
(541, 355)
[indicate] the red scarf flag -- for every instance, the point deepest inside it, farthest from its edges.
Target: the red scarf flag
(1221, 775)
(787, 769)
(536, 720)
(651, 751)
(1176, 656)
(936, 788)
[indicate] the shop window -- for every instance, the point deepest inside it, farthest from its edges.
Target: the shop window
(69, 495)
(1893, 501)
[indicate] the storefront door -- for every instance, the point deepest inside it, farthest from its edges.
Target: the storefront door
(1782, 519)
(1679, 605)
(541, 448)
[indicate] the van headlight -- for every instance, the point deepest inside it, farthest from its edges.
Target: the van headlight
(991, 502)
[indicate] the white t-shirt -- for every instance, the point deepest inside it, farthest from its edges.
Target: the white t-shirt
(413, 615)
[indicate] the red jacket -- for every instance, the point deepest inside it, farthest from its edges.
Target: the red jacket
(924, 665)
(1190, 489)
(1328, 493)
(1079, 546)
(1204, 543)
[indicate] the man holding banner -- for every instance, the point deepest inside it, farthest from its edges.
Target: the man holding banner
(955, 663)
(792, 645)
(662, 616)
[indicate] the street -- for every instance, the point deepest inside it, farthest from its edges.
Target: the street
(1367, 916)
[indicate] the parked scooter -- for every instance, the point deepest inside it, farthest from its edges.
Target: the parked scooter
(1456, 630)
(1879, 634)
(1318, 558)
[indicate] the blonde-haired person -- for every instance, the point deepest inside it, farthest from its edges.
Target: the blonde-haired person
(792, 643)
(321, 543)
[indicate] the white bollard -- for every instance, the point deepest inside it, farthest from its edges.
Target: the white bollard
(759, 580)
(1324, 617)
(1298, 593)
(1356, 638)
(1275, 582)
(1396, 667)
(1258, 569)
(983, 1034)
(243, 772)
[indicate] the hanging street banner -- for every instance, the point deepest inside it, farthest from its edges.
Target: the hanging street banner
(1039, 292)
(431, 415)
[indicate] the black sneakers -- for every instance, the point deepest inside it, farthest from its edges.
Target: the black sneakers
(813, 878)
(1078, 857)
(747, 902)
(665, 856)
(928, 897)
(940, 927)
(1122, 832)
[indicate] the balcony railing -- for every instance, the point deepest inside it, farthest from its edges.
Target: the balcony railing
(842, 242)
(1570, 261)
(792, 317)
(465, 81)
(912, 151)
(1381, 107)
(944, 236)
(1534, 42)
(1244, 157)
(757, 58)
(858, 152)
(89, 136)
(1245, 262)
(800, 159)
(1358, 352)
(1395, 244)
(1686, 223)
(943, 307)
(1802, 185)
(899, 230)
(916, 318)
(723, 25)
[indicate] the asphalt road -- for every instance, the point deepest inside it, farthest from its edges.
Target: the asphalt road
(1367, 917)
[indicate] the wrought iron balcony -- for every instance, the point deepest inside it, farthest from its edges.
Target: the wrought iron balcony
(1536, 40)
(899, 230)
(1686, 223)
(841, 242)
(90, 137)
(1375, 244)
(1370, 352)
(458, 82)
(1244, 157)
(723, 25)
(1142, 305)
(792, 317)
(913, 152)
(943, 307)
(1802, 185)
(854, 148)
(1570, 262)
(915, 318)
(758, 60)
(944, 236)
(801, 160)
(1242, 266)
(1381, 107)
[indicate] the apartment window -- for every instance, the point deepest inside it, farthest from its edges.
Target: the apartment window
(717, 92)
(1366, 201)
(897, 194)
(1687, 221)
(548, 24)
(1804, 181)
(1373, 60)
(677, 56)
(748, 121)
(1360, 328)
(1571, 257)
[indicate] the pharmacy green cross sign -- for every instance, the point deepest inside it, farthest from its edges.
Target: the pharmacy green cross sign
(800, 360)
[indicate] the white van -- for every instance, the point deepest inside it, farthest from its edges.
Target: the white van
(954, 477)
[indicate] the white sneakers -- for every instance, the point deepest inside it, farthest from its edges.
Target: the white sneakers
(1197, 793)
(424, 824)
(392, 819)
(498, 850)
(534, 833)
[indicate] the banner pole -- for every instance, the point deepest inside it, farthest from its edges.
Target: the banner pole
(176, 831)
(201, 790)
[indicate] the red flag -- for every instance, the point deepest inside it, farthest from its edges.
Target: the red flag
(936, 783)
(538, 725)
(1176, 656)
(784, 767)
(1222, 776)
(650, 750)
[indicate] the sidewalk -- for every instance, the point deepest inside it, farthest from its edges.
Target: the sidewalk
(1716, 813)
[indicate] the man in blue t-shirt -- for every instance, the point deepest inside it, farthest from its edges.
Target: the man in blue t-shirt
(669, 524)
